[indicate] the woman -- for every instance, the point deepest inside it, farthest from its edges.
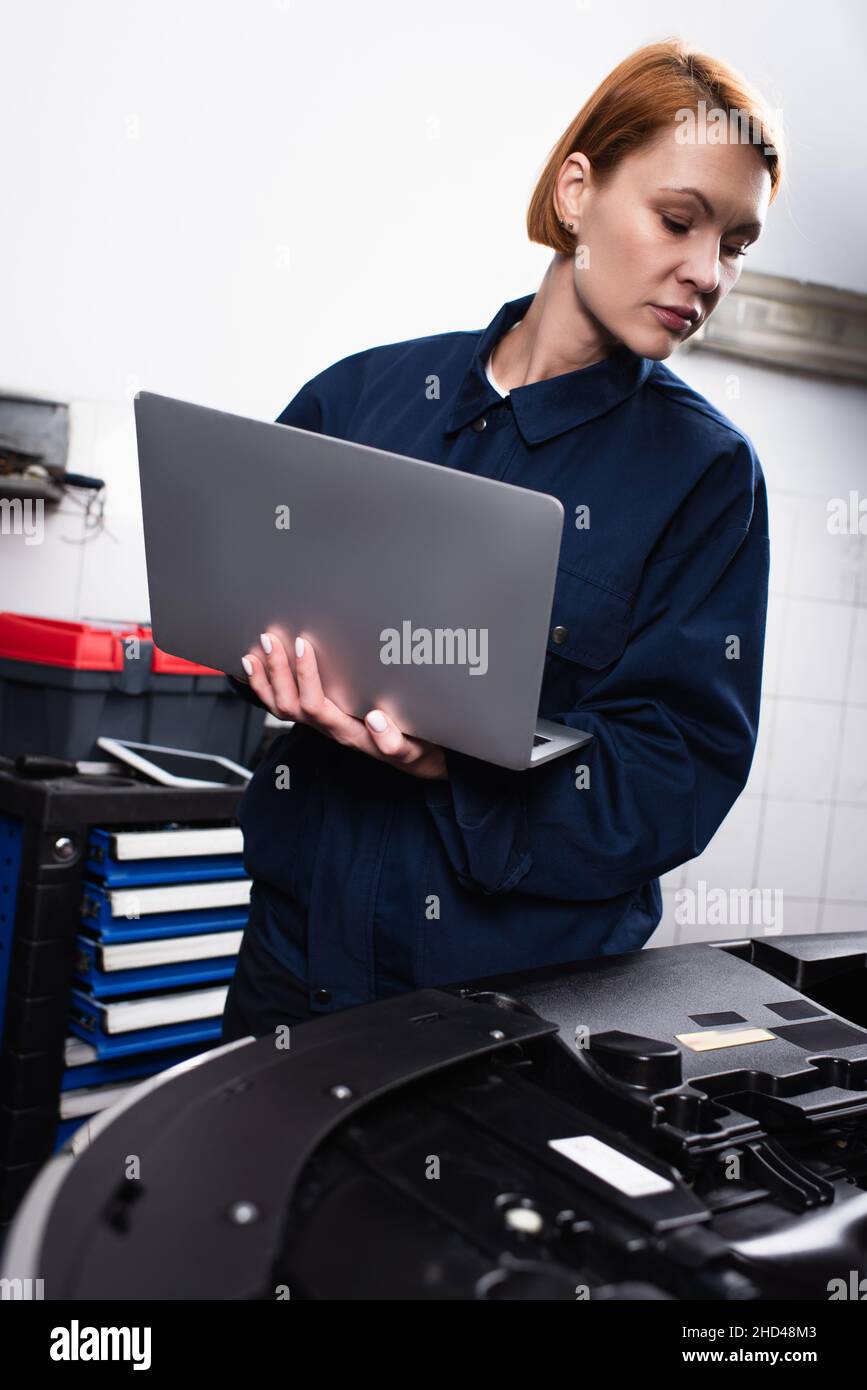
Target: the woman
(381, 863)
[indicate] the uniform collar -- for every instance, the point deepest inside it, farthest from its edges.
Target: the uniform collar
(546, 408)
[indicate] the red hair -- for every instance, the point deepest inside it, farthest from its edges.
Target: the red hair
(645, 93)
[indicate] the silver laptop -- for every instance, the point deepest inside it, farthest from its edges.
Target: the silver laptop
(426, 591)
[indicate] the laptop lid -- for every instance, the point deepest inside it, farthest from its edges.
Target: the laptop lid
(426, 591)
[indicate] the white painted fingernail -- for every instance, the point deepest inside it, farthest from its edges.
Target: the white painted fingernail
(377, 720)
(247, 665)
(299, 646)
(266, 642)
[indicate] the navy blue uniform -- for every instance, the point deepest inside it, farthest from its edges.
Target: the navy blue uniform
(368, 881)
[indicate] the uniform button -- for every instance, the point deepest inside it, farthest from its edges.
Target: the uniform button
(323, 996)
(559, 634)
(480, 424)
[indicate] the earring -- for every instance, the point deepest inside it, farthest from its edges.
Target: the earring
(563, 224)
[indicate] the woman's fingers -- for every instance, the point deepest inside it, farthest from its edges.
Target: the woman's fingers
(387, 737)
(299, 696)
(316, 708)
(279, 672)
(271, 677)
(259, 682)
(414, 755)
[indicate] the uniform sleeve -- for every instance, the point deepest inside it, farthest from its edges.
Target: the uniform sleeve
(306, 409)
(674, 724)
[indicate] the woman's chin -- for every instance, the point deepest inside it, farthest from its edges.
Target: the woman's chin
(656, 346)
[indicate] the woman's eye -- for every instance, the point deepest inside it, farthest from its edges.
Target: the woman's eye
(679, 227)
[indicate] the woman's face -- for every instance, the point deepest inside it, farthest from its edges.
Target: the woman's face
(642, 243)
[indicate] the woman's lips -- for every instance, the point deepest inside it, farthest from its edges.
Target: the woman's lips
(670, 319)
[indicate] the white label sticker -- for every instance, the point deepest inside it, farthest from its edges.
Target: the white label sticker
(612, 1166)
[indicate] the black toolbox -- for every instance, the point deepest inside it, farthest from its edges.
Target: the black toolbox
(46, 837)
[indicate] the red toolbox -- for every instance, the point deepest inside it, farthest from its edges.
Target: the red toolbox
(63, 684)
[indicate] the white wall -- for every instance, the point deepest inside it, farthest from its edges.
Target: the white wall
(216, 200)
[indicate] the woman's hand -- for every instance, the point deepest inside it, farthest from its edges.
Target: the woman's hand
(299, 696)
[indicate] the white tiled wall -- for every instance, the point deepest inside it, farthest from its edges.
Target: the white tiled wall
(87, 567)
(801, 824)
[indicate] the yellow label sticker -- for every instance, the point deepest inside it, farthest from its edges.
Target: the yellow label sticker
(710, 1038)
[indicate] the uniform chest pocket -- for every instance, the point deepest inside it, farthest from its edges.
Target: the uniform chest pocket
(589, 628)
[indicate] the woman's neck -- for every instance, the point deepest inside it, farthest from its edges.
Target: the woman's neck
(555, 336)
